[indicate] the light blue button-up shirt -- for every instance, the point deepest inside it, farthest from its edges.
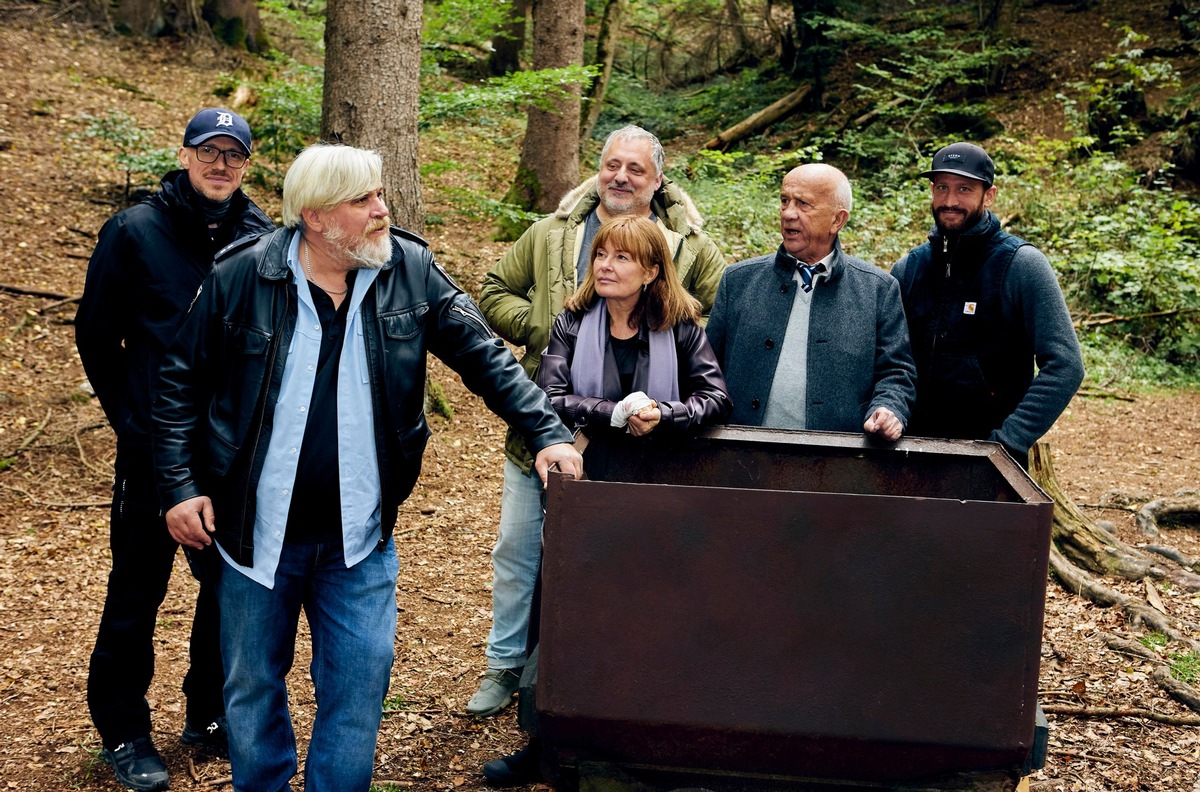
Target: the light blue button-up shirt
(358, 466)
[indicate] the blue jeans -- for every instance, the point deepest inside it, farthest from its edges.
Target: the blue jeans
(352, 615)
(515, 562)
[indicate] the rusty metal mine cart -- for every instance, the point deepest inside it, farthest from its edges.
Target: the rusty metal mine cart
(769, 610)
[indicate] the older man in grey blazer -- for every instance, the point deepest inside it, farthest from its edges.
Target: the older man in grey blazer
(809, 337)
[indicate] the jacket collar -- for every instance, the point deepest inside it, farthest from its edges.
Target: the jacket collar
(985, 227)
(178, 194)
(785, 264)
(273, 249)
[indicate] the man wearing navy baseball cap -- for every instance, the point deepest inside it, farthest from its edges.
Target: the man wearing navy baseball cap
(983, 307)
(148, 263)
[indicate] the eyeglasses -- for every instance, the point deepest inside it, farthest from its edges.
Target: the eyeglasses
(233, 158)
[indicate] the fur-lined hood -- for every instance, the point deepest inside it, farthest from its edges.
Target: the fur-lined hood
(670, 203)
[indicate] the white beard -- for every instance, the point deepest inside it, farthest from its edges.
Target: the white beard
(364, 252)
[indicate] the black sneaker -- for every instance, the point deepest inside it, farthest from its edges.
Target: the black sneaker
(137, 765)
(519, 769)
(212, 738)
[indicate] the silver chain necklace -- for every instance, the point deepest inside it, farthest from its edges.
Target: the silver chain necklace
(311, 279)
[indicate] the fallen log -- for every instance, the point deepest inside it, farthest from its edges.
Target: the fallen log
(760, 120)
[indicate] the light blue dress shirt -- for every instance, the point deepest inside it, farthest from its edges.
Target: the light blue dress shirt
(358, 465)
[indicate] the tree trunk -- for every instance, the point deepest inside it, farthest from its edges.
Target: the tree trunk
(236, 23)
(549, 165)
(815, 53)
(370, 100)
(760, 120)
(606, 51)
(232, 22)
(733, 11)
(509, 40)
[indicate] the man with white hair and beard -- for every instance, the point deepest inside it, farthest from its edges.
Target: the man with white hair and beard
(288, 428)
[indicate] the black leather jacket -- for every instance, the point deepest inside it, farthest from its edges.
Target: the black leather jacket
(701, 384)
(221, 377)
(143, 275)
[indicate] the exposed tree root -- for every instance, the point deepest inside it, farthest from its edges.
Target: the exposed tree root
(1079, 582)
(1076, 537)
(1169, 513)
(1087, 544)
(1180, 691)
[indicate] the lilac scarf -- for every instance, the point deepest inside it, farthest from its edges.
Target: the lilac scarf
(587, 366)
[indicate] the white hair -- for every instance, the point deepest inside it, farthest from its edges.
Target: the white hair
(325, 175)
(634, 132)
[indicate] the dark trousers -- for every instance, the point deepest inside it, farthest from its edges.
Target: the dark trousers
(122, 663)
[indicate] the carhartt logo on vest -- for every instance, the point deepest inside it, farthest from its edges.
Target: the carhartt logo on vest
(969, 308)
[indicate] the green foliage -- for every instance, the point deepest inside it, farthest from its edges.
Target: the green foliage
(438, 403)
(1128, 254)
(395, 703)
(512, 92)
(923, 83)
(1185, 666)
(305, 19)
(132, 145)
(1154, 640)
(462, 23)
(739, 193)
(1113, 115)
(285, 119)
(715, 105)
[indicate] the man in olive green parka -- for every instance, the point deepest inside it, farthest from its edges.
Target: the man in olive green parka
(521, 297)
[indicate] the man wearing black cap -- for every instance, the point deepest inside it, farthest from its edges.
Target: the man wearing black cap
(148, 263)
(983, 306)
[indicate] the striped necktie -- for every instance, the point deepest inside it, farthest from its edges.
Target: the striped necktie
(808, 272)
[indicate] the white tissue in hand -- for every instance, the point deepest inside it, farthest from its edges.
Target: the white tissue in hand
(633, 403)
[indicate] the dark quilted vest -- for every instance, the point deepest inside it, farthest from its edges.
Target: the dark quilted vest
(973, 362)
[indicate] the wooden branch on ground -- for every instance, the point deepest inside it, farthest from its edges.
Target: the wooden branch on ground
(761, 120)
(869, 116)
(1107, 319)
(59, 304)
(47, 505)
(12, 289)
(34, 435)
(1103, 393)
(1120, 712)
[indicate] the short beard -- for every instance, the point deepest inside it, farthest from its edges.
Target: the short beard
(365, 253)
(969, 222)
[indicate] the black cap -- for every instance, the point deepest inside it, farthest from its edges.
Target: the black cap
(213, 122)
(963, 159)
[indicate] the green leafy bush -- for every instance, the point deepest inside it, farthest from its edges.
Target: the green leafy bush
(511, 92)
(1114, 115)
(133, 151)
(285, 118)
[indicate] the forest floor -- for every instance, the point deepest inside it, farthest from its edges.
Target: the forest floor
(57, 191)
